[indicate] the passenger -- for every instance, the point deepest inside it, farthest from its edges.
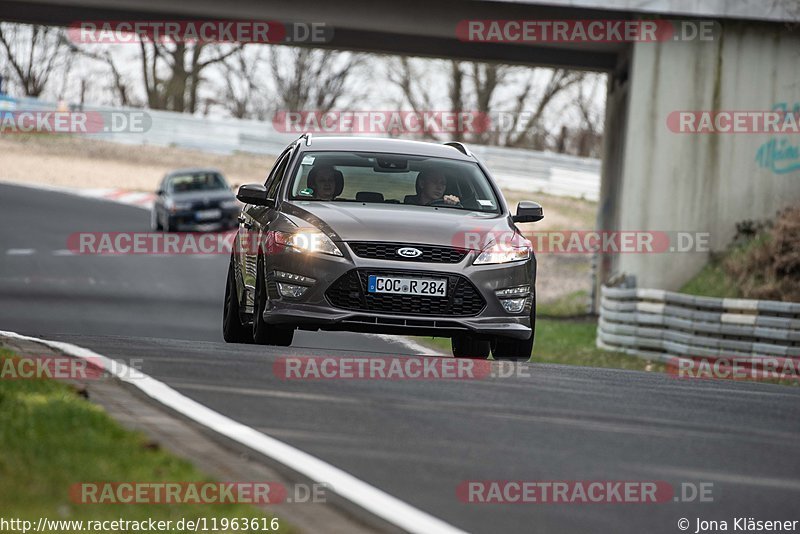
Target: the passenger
(326, 182)
(431, 186)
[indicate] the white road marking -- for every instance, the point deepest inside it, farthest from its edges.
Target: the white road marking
(20, 251)
(409, 344)
(726, 477)
(363, 495)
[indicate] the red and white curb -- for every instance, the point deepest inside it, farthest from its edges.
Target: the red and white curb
(365, 496)
(138, 199)
(122, 196)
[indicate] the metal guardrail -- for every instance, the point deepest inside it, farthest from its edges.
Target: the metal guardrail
(533, 172)
(514, 169)
(661, 325)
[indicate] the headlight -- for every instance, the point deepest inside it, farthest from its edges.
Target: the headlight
(179, 206)
(229, 204)
(307, 241)
(503, 254)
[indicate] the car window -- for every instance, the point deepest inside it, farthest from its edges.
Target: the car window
(198, 181)
(274, 180)
(393, 179)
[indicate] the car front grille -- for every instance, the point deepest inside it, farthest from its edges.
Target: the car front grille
(205, 204)
(350, 292)
(388, 251)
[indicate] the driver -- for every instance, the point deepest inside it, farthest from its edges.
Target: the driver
(322, 180)
(431, 186)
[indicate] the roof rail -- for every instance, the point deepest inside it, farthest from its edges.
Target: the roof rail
(307, 137)
(461, 147)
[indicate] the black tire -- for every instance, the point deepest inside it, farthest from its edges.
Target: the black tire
(233, 330)
(155, 222)
(519, 350)
(263, 333)
(468, 346)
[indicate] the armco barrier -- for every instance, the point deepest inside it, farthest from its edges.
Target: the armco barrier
(661, 325)
(514, 169)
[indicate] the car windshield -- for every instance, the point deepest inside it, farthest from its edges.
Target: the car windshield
(203, 181)
(379, 178)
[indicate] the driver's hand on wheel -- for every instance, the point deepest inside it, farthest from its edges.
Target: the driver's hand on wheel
(451, 199)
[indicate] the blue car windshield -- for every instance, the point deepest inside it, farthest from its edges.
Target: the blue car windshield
(183, 183)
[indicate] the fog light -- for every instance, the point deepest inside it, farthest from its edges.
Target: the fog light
(291, 290)
(513, 305)
(513, 291)
(294, 277)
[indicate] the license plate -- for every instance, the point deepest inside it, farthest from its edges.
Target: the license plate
(430, 287)
(206, 215)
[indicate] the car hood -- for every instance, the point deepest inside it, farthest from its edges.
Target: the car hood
(397, 223)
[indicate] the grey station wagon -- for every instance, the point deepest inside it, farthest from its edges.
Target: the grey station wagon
(385, 236)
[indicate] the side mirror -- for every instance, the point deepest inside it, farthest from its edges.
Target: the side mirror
(528, 211)
(255, 194)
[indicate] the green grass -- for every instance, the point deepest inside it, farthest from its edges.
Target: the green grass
(569, 342)
(572, 342)
(714, 281)
(51, 438)
(571, 305)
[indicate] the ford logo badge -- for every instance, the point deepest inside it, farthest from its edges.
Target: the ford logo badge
(409, 252)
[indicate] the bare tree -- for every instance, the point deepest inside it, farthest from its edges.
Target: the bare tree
(486, 79)
(33, 53)
(311, 79)
(528, 129)
(457, 94)
(589, 135)
(415, 89)
(173, 74)
(243, 93)
(474, 86)
(120, 85)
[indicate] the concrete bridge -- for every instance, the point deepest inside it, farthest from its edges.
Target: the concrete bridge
(653, 178)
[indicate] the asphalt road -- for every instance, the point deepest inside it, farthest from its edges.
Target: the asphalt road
(417, 440)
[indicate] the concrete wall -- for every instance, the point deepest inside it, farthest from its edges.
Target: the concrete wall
(702, 182)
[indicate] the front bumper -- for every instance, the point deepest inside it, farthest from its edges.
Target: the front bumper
(188, 221)
(314, 309)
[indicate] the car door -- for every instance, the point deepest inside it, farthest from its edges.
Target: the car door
(253, 223)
